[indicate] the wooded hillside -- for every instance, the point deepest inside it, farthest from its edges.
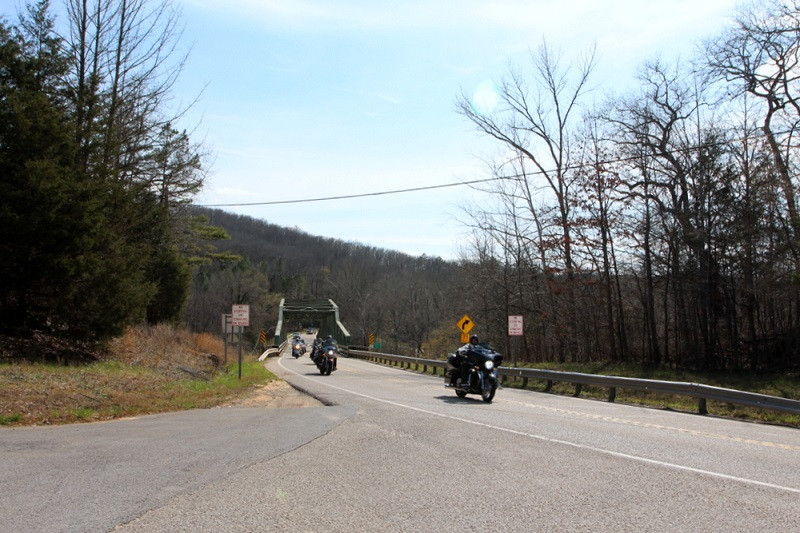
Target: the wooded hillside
(399, 297)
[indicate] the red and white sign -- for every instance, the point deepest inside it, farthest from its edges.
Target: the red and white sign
(240, 315)
(515, 326)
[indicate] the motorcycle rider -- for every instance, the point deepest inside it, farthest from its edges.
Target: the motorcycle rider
(473, 341)
(331, 342)
(461, 356)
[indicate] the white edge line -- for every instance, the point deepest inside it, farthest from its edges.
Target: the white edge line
(557, 441)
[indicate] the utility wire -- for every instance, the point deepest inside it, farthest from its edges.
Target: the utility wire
(362, 195)
(473, 182)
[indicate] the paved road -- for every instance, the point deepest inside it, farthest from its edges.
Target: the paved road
(92, 477)
(416, 458)
(404, 454)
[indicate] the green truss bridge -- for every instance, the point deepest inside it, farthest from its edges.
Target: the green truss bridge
(324, 314)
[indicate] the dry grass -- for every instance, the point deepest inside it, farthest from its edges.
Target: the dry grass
(169, 351)
(147, 370)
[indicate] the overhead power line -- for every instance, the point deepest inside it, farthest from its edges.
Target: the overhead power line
(362, 195)
(461, 183)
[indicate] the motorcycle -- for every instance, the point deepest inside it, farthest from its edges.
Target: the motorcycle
(326, 360)
(298, 348)
(480, 363)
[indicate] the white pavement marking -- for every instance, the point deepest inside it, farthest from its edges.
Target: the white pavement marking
(556, 441)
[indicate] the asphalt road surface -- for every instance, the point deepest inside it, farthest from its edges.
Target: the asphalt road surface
(396, 451)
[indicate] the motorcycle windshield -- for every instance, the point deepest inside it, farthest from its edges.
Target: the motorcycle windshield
(479, 355)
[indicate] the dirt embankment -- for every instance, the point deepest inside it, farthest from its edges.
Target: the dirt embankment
(277, 393)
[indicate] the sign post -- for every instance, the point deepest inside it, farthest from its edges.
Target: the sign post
(241, 318)
(515, 331)
(227, 331)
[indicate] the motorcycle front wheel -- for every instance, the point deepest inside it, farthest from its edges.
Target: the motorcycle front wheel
(461, 393)
(488, 393)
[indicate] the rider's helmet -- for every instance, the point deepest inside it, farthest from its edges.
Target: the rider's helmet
(473, 340)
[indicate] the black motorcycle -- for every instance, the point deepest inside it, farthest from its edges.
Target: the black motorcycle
(326, 359)
(298, 348)
(473, 371)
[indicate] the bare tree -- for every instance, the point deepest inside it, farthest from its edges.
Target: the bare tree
(760, 56)
(536, 125)
(125, 63)
(601, 197)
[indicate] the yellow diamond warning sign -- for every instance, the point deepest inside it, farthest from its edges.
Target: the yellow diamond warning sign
(465, 324)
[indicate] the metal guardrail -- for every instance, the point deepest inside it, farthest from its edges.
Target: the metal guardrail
(703, 393)
(273, 351)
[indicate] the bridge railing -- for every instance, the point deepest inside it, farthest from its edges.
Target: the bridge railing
(703, 393)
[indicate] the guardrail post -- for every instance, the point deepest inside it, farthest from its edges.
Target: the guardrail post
(549, 386)
(525, 383)
(702, 408)
(578, 389)
(612, 394)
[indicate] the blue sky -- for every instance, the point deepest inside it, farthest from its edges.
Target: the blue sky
(314, 98)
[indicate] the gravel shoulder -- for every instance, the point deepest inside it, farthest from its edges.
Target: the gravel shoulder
(277, 394)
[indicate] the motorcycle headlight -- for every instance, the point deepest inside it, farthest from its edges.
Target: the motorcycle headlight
(330, 352)
(489, 365)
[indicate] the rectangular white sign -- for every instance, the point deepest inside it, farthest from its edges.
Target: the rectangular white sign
(241, 315)
(515, 326)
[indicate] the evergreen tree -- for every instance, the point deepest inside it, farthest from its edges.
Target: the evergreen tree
(73, 247)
